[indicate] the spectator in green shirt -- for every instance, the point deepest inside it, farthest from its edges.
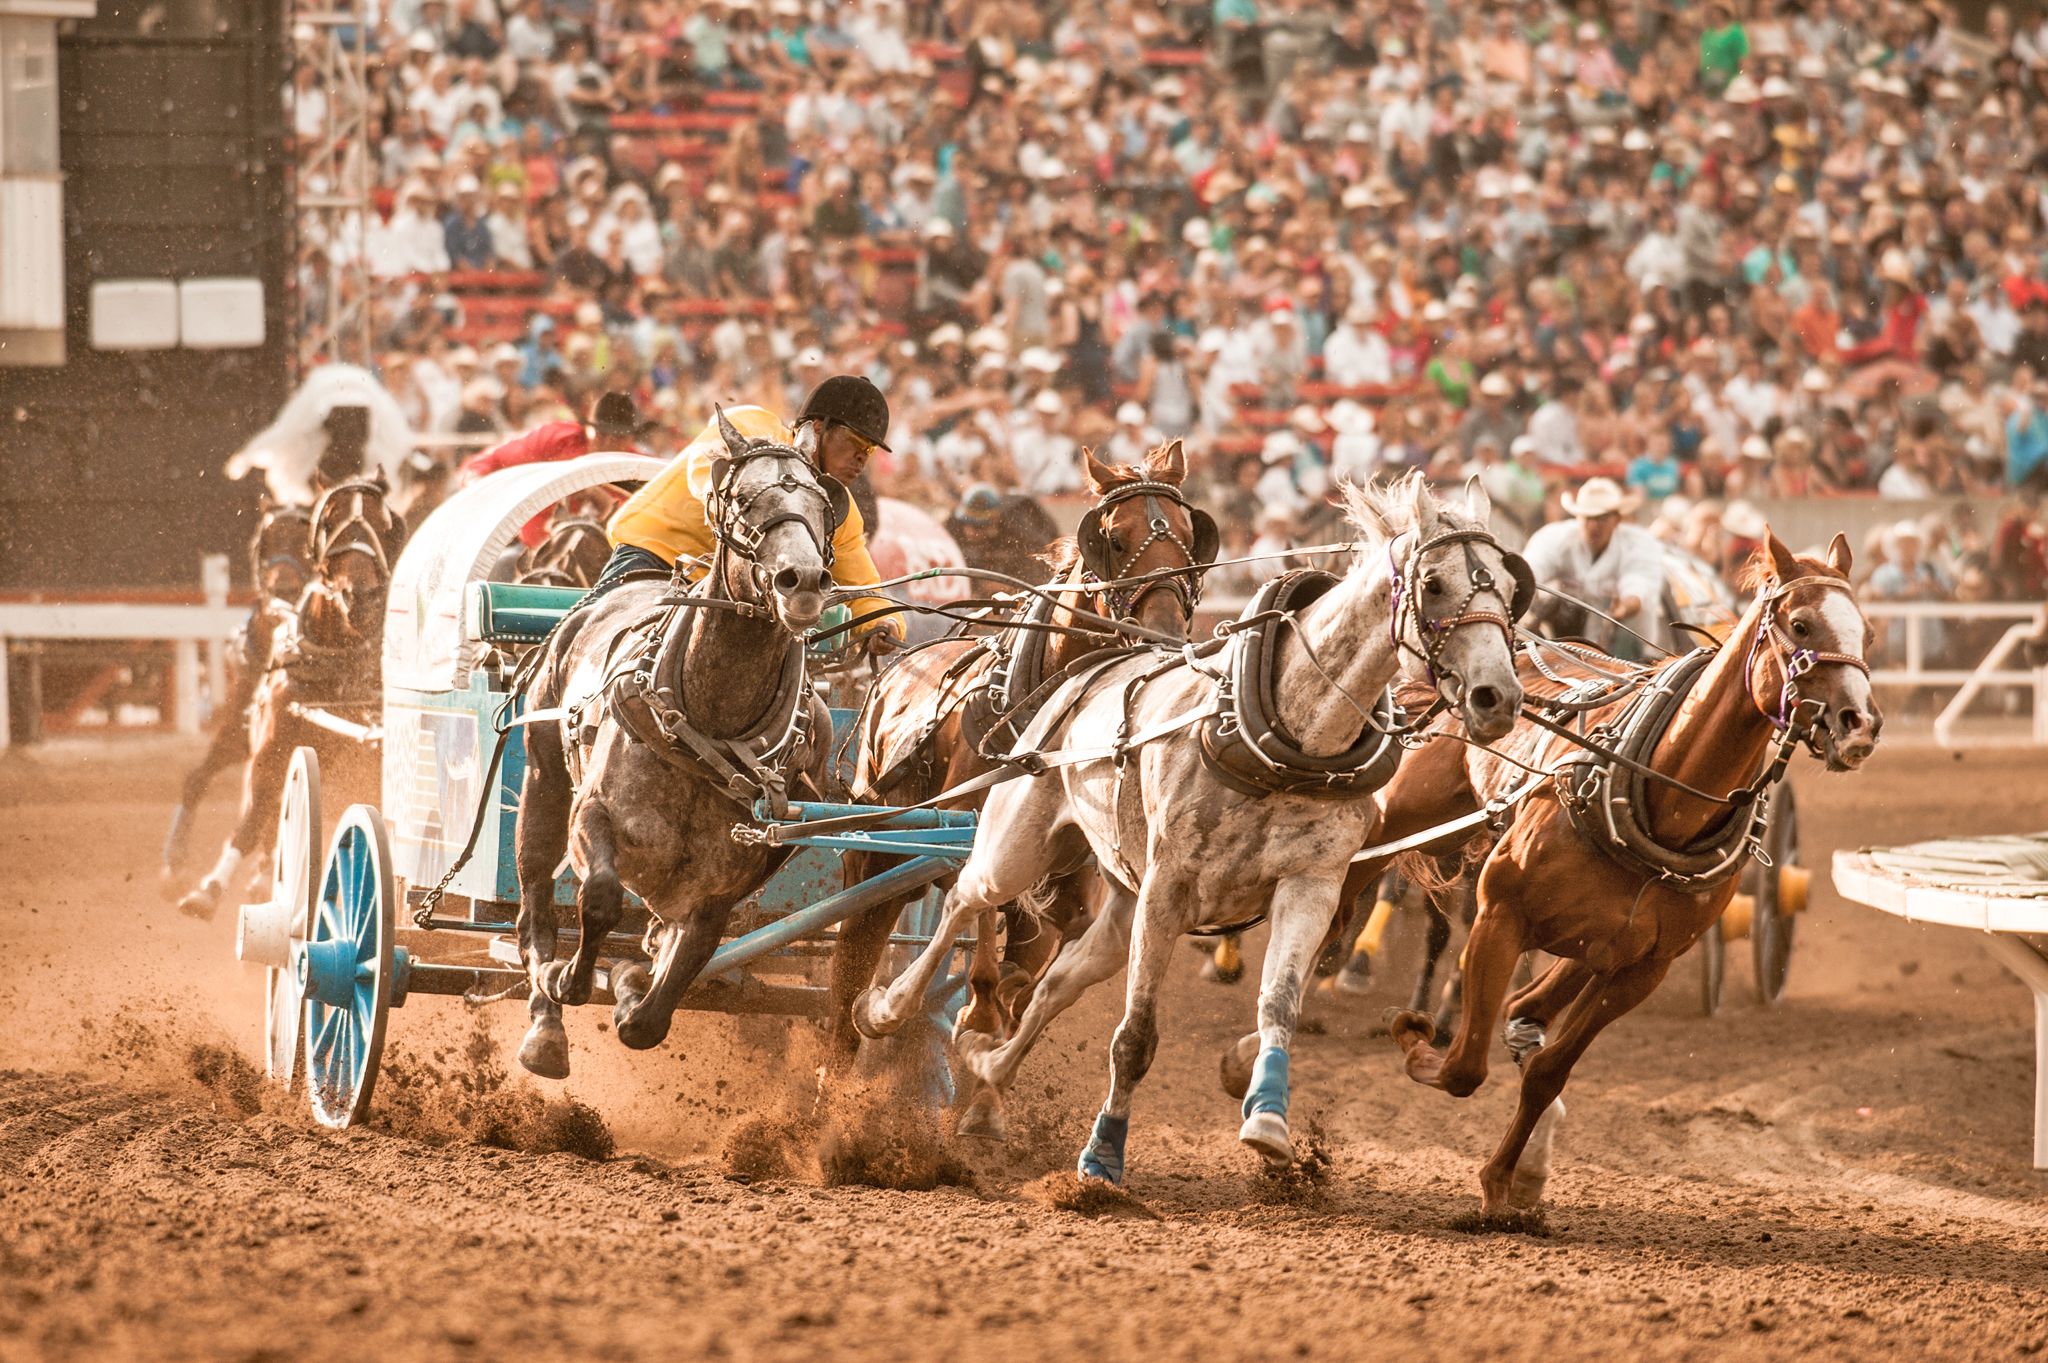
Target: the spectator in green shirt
(1723, 45)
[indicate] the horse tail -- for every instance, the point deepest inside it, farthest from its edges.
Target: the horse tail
(1039, 899)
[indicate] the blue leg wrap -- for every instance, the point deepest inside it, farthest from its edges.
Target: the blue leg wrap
(1268, 1092)
(1103, 1156)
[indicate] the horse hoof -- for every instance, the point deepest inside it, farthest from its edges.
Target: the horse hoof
(982, 1118)
(639, 1031)
(1235, 1072)
(545, 1051)
(870, 1016)
(1411, 1029)
(1266, 1132)
(558, 981)
(1216, 974)
(200, 904)
(1356, 976)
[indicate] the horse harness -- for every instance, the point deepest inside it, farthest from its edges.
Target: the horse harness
(1200, 550)
(646, 693)
(1604, 786)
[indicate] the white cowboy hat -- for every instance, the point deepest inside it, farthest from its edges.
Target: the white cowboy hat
(949, 334)
(1596, 497)
(1348, 416)
(1744, 521)
(1280, 447)
(1755, 447)
(1048, 402)
(1130, 414)
(1307, 419)
(1496, 385)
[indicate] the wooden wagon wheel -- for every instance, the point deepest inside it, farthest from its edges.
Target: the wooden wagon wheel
(1780, 892)
(268, 934)
(1713, 954)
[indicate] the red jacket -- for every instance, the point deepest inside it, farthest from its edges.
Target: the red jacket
(543, 444)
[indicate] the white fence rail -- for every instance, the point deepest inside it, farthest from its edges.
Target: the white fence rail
(185, 628)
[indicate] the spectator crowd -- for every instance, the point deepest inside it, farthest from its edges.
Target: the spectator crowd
(1787, 249)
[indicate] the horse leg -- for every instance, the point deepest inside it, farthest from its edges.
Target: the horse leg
(541, 837)
(1515, 1177)
(600, 900)
(863, 937)
(1491, 953)
(1091, 958)
(255, 827)
(1155, 927)
(1356, 976)
(983, 1012)
(647, 1009)
(229, 745)
(1438, 937)
(1001, 868)
(1302, 909)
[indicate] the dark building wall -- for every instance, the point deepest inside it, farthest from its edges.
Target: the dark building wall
(173, 149)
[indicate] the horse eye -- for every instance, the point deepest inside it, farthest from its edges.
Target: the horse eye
(1799, 630)
(1433, 585)
(1116, 543)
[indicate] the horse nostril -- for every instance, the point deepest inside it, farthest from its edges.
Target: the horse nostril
(1485, 698)
(791, 580)
(1852, 720)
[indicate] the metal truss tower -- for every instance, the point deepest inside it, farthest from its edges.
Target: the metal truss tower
(332, 208)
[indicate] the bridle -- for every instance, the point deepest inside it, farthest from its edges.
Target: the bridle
(729, 510)
(1411, 582)
(1199, 549)
(1795, 711)
(281, 526)
(354, 531)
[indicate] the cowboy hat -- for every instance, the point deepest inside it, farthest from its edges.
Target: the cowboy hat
(614, 414)
(1744, 521)
(1597, 497)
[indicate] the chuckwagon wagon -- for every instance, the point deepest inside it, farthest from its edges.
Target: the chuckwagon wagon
(418, 896)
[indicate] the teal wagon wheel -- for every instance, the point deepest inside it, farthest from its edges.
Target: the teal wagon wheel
(346, 970)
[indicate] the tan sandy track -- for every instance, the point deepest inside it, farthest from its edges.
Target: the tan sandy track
(1720, 1192)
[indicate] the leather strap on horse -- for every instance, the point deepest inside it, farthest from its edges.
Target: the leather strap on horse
(1246, 747)
(1615, 819)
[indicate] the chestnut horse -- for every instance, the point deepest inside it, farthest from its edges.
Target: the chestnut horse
(573, 554)
(325, 659)
(927, 723)
(1793, 668)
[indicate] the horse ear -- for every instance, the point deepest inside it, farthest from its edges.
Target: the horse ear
(729, 433)
(1839, 557)
(1421, 504)
(1100, 477)
(1477, 502)
(1169, 464)
(1784, 564)
(806, 441)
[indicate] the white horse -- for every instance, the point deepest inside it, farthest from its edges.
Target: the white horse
(1181, 850)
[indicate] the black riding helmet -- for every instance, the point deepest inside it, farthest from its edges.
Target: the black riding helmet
(854, 403)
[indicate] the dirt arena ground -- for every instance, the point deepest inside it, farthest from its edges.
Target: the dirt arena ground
(1844, 1176)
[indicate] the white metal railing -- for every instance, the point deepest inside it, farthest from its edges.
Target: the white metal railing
(185, 628)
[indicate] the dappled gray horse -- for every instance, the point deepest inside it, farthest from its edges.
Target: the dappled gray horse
(1183, 847)
(667, 714)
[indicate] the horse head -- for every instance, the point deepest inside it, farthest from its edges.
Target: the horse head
(1455, 597)
(280, 561)
(1808, 661)
(354, 539)
(775, 513)
(572, 555)
(1140, 526)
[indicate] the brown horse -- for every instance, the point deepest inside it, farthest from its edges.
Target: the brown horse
(932, 718)
(573, 554)
(280, 566)
(1793, 666)
(325, 664)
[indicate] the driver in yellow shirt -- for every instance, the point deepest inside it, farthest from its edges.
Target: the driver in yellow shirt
(665, 520)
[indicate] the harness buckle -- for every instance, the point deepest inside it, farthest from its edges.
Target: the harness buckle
(1800, 662)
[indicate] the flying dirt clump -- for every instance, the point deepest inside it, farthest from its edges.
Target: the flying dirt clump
(462, 1092)
(228, 1078)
